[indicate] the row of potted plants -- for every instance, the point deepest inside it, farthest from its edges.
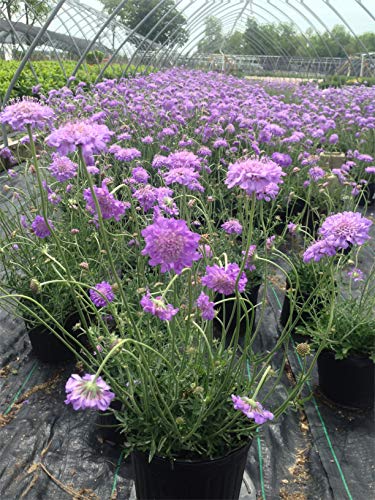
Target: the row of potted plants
(144, 236)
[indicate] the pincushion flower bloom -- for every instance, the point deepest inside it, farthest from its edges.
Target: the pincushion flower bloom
(124, 154)
(91, 137)
(26, 112)
(146, 196)
(86, 392)
(62, 168)
(318, 250)
(356, 274)
(185, 159)
(102, 294)
(184, 176)
(140, 175)
(158, 307)
(223, 279)
(206, 306)
(232, 226)
(316, 173)
(346, 228)
(165, 201)
(169, 242)
(251, 409)
(109, 206)
(254, 175)
(40, 227)
(282, 159)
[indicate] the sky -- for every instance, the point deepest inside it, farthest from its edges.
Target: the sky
(351, 11)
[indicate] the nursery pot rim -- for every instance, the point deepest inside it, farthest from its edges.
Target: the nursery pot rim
(203, 461)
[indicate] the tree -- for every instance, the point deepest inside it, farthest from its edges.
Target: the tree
(234, 44)
(172, 22)
(28, 11)
(213, 37)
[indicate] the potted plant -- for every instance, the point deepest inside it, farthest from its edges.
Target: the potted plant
(347, 330)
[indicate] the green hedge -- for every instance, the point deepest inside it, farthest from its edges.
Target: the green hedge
(51, 76)
(340, 80)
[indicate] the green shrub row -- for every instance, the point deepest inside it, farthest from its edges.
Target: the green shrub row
(51, 76)
(340, 80)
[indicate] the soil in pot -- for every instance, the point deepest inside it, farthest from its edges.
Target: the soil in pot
(348, 382)
(218, 479)
(47, 347)
(225, 311)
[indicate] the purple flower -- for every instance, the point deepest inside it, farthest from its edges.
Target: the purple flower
(170, 243)
(36, 89)
(232, 226)
(184, 176)
(146, 196)
(251, 409)
(205, 250)
(270, 242)
(292, 228)
(102, 294)
(342, 229)
(159, 161)
(183, 159)
(318, 250)
(282, 159)
(140, 175)
(158, 307)
(206, 306)
(316, 173)
(88, 392)
(40, 227)
(363, 157)
(125, 154)
(109, 206)
(370, 170)
(62, 168)
(165, 200)
(204, 151)
(333, 139)
(356, 274)
(91, 137)
(254, 175)
(223, 279)
(147, 140)
(248, 264)
(7, 154)
(220, 143)
(23, 221)
(27, 112)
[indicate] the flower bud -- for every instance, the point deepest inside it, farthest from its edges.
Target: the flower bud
(303, 349)
(35, 285)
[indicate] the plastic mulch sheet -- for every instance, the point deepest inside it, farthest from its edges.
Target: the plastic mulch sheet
(49, 451)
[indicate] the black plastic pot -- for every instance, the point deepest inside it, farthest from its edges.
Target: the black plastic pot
(348, 382)
(225, 310)
(218, 479)
(47, 347)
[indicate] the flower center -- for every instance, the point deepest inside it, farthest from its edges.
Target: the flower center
(170, 246)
